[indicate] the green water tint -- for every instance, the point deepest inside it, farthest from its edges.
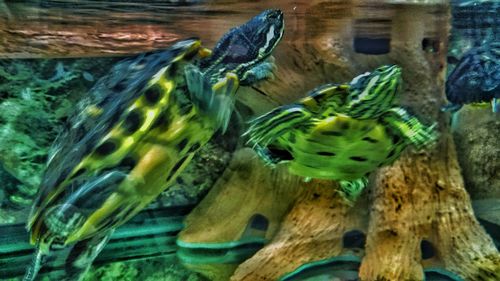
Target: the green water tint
(345, 268)
(231, 252)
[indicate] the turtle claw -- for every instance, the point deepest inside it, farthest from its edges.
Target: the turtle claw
(350, 190)
(425, 137)
(262, 71)
(410, 128)
(495, 105)
(266, 156)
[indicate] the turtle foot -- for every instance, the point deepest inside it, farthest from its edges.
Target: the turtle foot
(267, 156)
(350, 190)
(425, 137)
(262, 71)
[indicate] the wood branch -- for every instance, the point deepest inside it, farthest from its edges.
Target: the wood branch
(475, 133)
(422, 197)
(241, 213)
(313, 230)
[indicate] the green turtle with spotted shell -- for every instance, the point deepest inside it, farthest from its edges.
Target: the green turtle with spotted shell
(136, 132)
(341, 131)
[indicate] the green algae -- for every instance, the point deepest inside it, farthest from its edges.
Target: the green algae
(36, 97)
(163, 268)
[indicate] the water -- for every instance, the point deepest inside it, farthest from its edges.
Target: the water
(228, 215)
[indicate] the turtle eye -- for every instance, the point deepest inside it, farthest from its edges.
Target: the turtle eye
(273, 15)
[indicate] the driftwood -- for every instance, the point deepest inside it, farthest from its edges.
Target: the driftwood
(417, 216)
(313, 230)
(242, 212)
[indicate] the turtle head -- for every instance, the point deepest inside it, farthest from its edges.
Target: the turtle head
(263, 33)
(245, 47)
(373, 93)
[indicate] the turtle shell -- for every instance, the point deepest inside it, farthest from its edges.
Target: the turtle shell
(339, 148)
(95, 153)
(476, 78)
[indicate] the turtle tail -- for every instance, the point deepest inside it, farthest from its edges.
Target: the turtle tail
(35, 266)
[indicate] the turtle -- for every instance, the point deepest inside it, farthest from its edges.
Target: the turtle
(140, 126)
(475, 79)
(341, 131)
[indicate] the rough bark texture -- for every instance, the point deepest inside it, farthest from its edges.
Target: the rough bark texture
(248, 180)
(245, 189)
(420, 197)
(476, 136)
(311, 231)
(423, 197)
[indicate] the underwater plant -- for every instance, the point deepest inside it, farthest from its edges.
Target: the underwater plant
(36, 97)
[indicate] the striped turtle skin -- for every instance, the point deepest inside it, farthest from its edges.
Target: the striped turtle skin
(135, 133)
(341, 131)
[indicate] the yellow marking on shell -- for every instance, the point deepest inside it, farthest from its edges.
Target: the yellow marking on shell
(94, 162)
(151, 115)
(204, 52)
(91, 223)
(93, 111)
(167, 84)
(309, 102)
(347, 142)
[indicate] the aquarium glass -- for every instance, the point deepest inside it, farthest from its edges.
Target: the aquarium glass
(249, 140)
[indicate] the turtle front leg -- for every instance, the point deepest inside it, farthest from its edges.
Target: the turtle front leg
(408, 126)
(262, 71)
(268, 127)
(216, 100)
(350, 190)
(267, 155)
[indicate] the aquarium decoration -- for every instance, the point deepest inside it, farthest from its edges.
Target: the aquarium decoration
(139, 238)
(215, 247)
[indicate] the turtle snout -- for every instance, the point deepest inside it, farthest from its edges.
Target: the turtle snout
(275, 15)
